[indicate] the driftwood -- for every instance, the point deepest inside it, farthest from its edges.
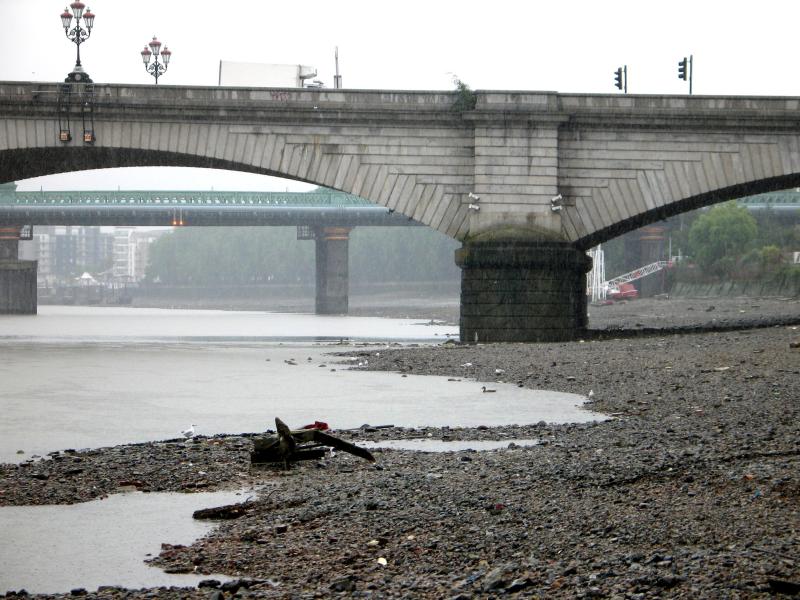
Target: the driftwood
(299, 444)
(229, 511)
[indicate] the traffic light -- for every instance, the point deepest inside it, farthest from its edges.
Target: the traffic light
(682, 71)
(618, 78)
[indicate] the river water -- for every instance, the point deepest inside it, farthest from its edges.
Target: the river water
(85, 377)
(81, 377)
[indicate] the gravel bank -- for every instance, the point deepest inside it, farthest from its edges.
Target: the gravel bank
(692, 490)
(693, 314)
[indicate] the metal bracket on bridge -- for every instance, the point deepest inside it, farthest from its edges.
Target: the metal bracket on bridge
(82, 96)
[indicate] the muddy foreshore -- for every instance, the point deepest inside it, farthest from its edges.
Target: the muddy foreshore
(691, 490)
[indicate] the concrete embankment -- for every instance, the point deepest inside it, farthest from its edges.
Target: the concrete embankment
(778, 287)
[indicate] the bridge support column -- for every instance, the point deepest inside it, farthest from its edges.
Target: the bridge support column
(333, 276)
(651, 243)
(522, 291)
(17, 277)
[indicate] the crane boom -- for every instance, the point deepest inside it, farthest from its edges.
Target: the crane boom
(639, 273)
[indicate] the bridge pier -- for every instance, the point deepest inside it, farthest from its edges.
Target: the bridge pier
(651, 243)
(333, 275)
(522, 291)
(17, 277)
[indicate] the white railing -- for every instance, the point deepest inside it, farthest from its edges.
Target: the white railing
(595, 279)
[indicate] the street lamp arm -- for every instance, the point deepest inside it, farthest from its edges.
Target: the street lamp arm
(157, 69)
(78, 34)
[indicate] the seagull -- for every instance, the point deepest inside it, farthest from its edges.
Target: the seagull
(189, 433)
(474, 207)
(486, 390)
(590, 394)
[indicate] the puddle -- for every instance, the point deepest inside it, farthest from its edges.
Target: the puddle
(54, 549)
(434, 445)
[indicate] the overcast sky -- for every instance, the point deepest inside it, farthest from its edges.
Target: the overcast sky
(741, 48)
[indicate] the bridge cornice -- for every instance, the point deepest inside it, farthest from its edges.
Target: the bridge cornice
(639, 111)
(224, 104)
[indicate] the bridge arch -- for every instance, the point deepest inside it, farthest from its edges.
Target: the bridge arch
(616, 162)
(526, 180)
(25, 163)
(408, 152)
(734, 192)
(659, 158)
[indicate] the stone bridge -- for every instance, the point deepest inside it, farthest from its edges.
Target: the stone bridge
(526, 180)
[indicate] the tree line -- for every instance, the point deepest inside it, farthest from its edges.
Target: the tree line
(207, 256)
(726, 241)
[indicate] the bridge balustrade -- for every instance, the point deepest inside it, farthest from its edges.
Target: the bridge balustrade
(293, 199)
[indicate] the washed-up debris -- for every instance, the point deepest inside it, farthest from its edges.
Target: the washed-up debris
(301, 444)
(321, 425)
(229, 511)
(367, 428)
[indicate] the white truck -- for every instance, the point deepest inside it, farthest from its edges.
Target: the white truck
(243, 74)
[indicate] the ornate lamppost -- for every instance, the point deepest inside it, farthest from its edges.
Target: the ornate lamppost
(78, 35)
(157, 69)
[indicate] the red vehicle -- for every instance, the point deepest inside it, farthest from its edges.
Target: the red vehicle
(625, 291)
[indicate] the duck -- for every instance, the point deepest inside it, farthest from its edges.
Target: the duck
(486, 390)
